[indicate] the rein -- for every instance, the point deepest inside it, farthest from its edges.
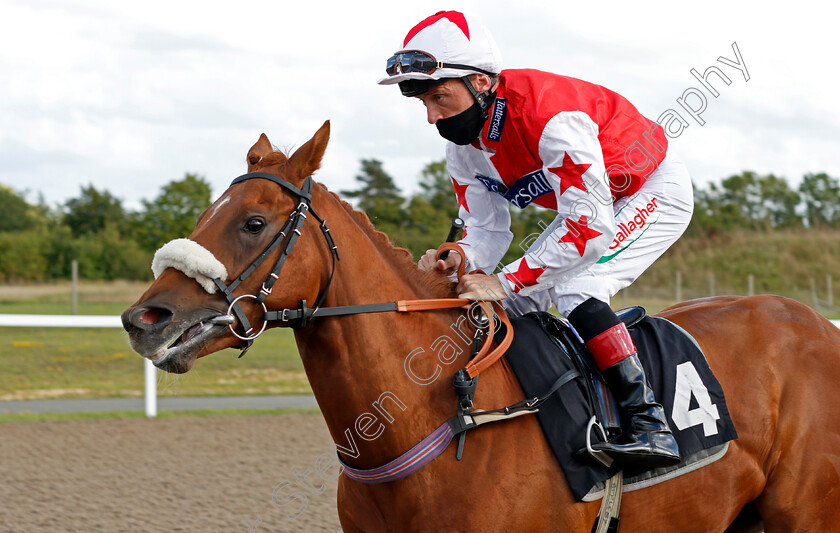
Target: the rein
(465, 380)
(301, 316)
(467, 418)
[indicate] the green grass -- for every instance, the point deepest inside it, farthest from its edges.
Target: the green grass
(42, 363)
(110, 415)
(98, 363)
(782, 262)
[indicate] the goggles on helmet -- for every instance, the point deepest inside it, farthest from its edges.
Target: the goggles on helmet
(421, 62)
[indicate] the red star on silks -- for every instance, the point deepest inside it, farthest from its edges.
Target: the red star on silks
(579, 233)
(570, 174)
(525, 276)
(461, 193)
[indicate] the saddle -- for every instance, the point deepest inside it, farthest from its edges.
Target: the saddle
(545, 347)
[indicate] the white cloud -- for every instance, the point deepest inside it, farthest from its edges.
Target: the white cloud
(129, 97)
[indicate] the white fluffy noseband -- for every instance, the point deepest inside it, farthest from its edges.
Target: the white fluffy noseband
(192, 259)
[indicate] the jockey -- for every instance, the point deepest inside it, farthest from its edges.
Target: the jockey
(530, 137)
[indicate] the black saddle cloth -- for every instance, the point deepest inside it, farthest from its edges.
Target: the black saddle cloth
(545, 347)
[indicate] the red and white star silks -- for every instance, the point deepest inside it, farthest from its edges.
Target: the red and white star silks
(579, 234)
(525, 276)
(570, 174)
(461, 195)
(559, 143)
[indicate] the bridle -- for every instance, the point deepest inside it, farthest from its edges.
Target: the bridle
(302, 315)
(289, 233)
(464, 380)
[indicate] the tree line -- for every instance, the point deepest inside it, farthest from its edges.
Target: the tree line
(39, 242)
(746, 201)
(755, 202)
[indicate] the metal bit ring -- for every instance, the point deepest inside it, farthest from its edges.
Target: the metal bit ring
(230, 326)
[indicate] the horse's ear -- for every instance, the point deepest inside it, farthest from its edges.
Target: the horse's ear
(261, 149)
(307, 159)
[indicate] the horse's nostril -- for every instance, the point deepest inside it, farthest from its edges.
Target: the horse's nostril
(151, 317)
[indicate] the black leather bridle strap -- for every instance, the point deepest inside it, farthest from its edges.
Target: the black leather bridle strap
(305, 314)
(275, 242)
(291, 315)
(297, 219)
(289, 232)
(238, 313)
(305, 194)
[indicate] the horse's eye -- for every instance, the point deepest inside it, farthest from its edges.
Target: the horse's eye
(254, 225)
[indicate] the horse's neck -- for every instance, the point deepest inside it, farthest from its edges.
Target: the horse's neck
(357, 364)
(370, 268)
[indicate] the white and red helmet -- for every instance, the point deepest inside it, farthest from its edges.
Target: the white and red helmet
(449, 44)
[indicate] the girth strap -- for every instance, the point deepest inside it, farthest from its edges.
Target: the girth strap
(608, 520)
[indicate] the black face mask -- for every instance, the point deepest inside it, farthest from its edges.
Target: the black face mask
(463, 128)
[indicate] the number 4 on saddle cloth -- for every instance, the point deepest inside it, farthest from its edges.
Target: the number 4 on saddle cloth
(545, 347)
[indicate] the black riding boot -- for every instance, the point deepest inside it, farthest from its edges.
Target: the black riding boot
(647, 440)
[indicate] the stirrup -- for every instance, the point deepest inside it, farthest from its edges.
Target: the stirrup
(598, 455)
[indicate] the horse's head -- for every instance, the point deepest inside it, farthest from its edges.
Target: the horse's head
(187, 312)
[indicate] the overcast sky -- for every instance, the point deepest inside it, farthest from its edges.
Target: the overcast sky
(128, 96)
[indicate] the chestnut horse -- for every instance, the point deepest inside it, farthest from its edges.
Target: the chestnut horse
(776, 359)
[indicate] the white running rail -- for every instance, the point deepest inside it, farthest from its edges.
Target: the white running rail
(87, 321)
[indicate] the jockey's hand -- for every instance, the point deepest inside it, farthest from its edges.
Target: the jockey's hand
(447, 266)
(481, 287)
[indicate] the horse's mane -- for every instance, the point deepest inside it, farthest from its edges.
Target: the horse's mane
(402, 257)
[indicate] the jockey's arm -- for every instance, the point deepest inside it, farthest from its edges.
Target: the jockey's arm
(487, 234)
(583, 229)
(573, 163)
